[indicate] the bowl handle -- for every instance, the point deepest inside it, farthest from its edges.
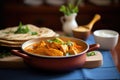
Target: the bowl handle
(93, 47)
(25, 56)
(20, 54)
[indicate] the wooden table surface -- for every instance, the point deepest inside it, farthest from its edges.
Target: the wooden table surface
(116, 55)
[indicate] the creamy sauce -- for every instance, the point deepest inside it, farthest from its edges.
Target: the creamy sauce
(106, 34)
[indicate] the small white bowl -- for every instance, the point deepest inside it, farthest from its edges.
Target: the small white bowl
(107, 39)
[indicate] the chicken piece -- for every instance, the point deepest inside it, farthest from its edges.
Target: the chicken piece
(42, 44)
(53, 45)
(39, 45)
(72, 50)
(64, 48)
(78, 48)
(40, 51)
(53, 52)
(47, 52)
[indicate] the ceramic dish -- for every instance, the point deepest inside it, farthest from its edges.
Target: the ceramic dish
(55, 63)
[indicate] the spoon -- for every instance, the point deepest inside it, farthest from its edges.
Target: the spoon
(89, 26)
(83, 32)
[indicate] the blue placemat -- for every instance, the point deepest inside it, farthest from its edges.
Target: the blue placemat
(107, 71)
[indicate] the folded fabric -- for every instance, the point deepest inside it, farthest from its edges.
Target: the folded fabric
(107, 71)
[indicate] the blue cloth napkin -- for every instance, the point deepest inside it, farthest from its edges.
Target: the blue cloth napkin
(107, 71)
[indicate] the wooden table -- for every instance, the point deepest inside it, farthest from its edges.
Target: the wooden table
(116, 55)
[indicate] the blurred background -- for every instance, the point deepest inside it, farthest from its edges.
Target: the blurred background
(45, 13)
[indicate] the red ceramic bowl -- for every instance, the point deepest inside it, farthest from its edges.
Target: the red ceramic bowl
(54, 63)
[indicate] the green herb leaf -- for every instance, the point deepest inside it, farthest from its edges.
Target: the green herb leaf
(57, 40)
(92, 53)
(34, 33)
(22, 29)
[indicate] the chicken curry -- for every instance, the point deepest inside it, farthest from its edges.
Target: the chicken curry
(55, 47)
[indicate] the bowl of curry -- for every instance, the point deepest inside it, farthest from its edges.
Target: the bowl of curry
(54, 53)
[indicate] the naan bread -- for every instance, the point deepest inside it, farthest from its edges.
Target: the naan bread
(10, 39)
(8, 33)
(10, 42)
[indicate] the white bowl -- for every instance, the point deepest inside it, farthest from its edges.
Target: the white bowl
(107, 39)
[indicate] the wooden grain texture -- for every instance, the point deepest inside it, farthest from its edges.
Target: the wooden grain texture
(94, 61)
(17, 62)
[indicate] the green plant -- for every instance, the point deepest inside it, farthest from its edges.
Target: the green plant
(70, 8)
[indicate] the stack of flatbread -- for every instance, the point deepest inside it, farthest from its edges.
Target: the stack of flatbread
(10, 39)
